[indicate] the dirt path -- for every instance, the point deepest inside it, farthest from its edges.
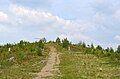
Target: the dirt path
(51, 66)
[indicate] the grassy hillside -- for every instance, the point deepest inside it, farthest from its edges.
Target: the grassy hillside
(25, 70)
(23, 60)
(83, 62)
(79, 65)
(88, 63)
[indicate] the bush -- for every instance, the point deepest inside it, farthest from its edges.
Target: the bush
(39, 52)
(20, 56)
(65, 43)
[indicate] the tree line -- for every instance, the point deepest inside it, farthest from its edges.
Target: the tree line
(114, 55)
(19, 52)
(22, 51)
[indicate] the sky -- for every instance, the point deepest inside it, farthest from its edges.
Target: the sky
(91, 21)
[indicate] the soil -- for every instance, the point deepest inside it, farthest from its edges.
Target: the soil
(49, 70)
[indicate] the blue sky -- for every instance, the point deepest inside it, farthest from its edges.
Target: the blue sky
(92, 21)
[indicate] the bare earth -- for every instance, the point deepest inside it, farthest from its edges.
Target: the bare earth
(51, 66)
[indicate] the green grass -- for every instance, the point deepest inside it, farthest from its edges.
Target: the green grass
(25, 70)
(78, 65)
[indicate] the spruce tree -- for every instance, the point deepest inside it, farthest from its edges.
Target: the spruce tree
(40, 47)
(118, 49)
(92, 46)
(83, 44)
(65, 43)
(58, 40)
(99, 47)
(111, 50)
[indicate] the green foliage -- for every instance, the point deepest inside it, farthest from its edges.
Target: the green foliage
(82, 44)
(41, 44)
(97, 63)
(21, 51)
(40, 47)
(58, 40)
(39, 52)
(111, 50)
(99, 51)
(107, 50)
(79, 65)
(118, 49)
(44, 40)
(65, 43)
(21, 43)
(24, 51)
(20, 56)
(23, 58)
(99, 47)
(92, 46)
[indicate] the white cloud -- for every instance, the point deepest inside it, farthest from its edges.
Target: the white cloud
(89, 20)
(3, 17)
(33, 14)
(42, 17)
(117, 37)
(63, 28)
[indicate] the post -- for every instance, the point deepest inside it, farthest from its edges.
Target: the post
(69, 49)
(9, 49)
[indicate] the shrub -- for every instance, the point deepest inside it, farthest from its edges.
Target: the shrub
(39, 52)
